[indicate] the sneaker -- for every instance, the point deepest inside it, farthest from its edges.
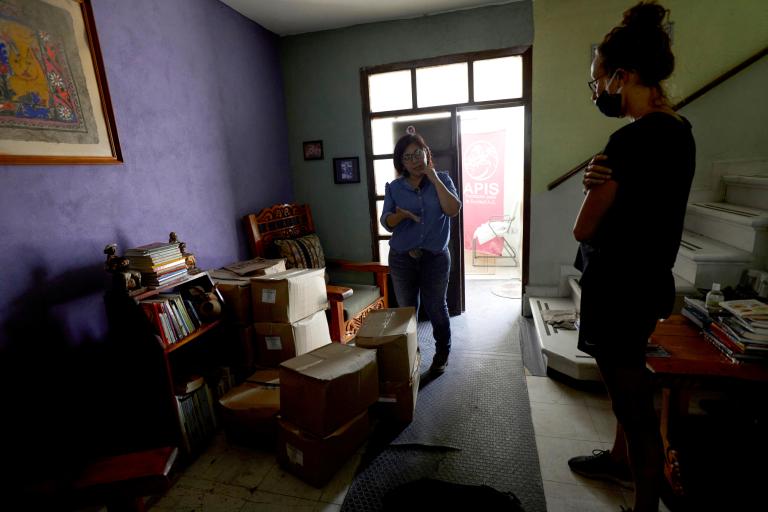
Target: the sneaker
(600, 466)
(439, 362)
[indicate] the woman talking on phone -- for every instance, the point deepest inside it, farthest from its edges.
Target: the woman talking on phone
(631, 224)
(417, 210)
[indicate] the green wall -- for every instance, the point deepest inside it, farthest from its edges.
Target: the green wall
(322, 89)
(710, 37)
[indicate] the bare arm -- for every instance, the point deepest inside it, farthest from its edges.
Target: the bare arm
(597, 201)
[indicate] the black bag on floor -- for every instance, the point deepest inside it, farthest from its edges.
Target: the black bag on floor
(429, 494)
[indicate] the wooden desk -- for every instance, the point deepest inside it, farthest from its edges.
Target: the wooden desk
(694, 362)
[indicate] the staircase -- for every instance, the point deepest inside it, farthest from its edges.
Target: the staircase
(722, 238)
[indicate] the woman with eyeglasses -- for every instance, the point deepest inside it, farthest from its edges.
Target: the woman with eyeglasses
(417, 209)
(630, 224)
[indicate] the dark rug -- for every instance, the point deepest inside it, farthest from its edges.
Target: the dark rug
(472, 424)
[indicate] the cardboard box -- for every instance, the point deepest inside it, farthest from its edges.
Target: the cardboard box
(397, 400)
(249, 411)
(276, 343)
(392, 332)
(286, 297)
(325, 388)
(246, 349)
(315, 459)
(254, 267)
(237, 298)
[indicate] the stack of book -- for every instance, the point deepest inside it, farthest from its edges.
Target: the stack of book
(159, 263)
(173, 316)
(194, 402)
(739, 330)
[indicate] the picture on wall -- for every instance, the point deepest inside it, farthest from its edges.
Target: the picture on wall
(54, 101)
(346, 170)
(313, 150)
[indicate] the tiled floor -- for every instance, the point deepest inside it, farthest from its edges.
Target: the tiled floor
(567, 422)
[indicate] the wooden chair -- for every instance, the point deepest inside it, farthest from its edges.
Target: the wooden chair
(349, 303)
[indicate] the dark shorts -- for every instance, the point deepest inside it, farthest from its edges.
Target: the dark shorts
(615, 323)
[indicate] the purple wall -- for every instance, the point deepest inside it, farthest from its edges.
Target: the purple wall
(197, 95)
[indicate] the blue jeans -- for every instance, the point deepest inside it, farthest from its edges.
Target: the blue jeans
(424, 281)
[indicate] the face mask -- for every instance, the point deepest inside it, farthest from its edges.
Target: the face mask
(609, 104)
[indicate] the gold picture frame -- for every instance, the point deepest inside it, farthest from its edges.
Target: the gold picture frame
(55, 106)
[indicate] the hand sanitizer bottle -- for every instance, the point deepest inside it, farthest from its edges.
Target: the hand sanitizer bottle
(714, 298)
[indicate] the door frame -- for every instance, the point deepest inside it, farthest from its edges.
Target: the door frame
(526, 52)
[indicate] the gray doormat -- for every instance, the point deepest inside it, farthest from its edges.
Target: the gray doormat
(472, 426)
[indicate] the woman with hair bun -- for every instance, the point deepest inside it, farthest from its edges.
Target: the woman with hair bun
(630, 223)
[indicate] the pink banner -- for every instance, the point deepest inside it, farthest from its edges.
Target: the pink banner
(483, 188)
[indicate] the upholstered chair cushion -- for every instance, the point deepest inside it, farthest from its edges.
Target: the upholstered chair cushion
(302, 252)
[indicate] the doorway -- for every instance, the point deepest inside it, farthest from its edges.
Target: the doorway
(489, 92)
(492, 142)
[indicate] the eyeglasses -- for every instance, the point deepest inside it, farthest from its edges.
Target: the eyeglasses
(416, 156)
(593, 83)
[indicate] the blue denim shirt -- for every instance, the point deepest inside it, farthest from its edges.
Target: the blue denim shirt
(434, 230)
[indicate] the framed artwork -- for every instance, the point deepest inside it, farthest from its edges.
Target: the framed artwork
(346, 170)
(313, 150)
(54, 101)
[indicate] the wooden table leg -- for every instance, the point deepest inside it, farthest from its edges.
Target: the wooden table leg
(674, 403)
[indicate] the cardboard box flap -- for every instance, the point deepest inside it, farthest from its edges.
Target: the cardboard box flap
(221, 275)
(381, 326)
(331, 361)
(255, 265)
(269, 377)
(303, 434)
(292, 274)
(260, 391)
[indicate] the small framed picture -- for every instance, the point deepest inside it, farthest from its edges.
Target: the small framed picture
(346, 170)
(313, 150)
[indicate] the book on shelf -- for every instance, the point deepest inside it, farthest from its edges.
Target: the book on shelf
(196, 412)
(172, 315)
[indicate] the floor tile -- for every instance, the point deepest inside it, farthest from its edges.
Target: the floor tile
(327, 507)
(554, 453)
(280, 482)
(578, 498)
(269, 502)
(562, 420)
(604, 422)
(549, 391)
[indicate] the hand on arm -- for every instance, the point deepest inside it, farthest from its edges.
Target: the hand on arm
(596, 173)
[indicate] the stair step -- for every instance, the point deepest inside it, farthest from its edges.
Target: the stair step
(749, 191)
(559, 345)
(702, 261)
(743, 227)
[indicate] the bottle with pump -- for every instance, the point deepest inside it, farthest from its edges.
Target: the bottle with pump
(714, 298)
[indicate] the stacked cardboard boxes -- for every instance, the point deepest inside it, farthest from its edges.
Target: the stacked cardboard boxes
(324, 400)
(289, 314)
(392, 333)
(234, 284)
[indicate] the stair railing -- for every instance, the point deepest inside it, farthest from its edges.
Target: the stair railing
(700, 92)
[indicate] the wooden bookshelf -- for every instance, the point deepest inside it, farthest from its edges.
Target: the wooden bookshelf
(162, 368)
(200, 331)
